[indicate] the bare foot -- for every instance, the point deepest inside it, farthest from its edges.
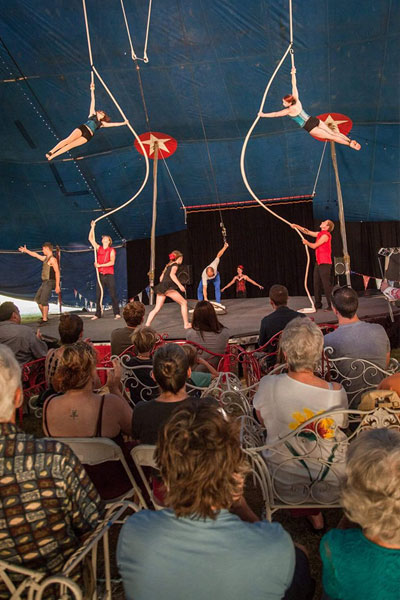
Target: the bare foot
(117, 317)
(355, 145)
(188, 326)
(94, 318)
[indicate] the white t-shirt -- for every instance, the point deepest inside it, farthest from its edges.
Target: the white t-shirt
(214, 265)
(284, 404)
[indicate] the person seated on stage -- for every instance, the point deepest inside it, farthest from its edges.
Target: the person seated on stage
(208, 332)
(79, 411)
(47, 502)
(21, 339)
(70, 330)
(198, 548)
(240, 279)
(197, 378)
(276, 321)
(140, 383)
(283, 402)
(170, 371)
(133, 315)
(391, 292)
(356, 339)
(363, 562)
(210, 273)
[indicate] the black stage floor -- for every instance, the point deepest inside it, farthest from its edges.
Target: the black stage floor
(243, 317)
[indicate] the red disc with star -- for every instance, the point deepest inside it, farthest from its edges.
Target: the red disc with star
(336, 122)
(166, 144)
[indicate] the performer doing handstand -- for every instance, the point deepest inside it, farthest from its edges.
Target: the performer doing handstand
(210, 273)
(323, 255)
(170, 286)
(293, 109)
(241, 279)
(50, 277)
(85, 132)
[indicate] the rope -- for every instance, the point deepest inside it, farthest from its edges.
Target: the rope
(244, 148)
(109, 213)
(319, 169)
(133, 53)
(176, 189)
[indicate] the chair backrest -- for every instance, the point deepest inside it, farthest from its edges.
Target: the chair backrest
(98, 450)
(137, 380)
(143, 456)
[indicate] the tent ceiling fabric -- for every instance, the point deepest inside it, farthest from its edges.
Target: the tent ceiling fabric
(209, 64)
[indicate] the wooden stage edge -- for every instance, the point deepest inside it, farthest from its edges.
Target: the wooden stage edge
(243, 317)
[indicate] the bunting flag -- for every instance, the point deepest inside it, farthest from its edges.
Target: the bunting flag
(366, 281)
(140, 296)
(75, 293)
(378, 282)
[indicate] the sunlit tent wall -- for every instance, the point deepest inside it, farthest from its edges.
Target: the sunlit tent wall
(208, 66)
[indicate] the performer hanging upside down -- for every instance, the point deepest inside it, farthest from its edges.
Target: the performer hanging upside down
(294, 110)
(85, 132)
(241, 279)
(210, 273)
(170, 286)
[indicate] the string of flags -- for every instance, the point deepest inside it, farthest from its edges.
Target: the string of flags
(367, 278)
(88, 303)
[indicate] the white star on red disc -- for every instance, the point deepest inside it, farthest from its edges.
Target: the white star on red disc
(336, 122)
(166, 144)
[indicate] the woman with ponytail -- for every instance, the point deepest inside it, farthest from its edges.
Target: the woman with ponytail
(170, 286)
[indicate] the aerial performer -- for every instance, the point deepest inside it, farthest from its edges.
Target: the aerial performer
(294, 109)
(85, 132)
(169, 287)
(50, 278)
(105, 261)
(240, 280)
(210, 273)
(323, 255)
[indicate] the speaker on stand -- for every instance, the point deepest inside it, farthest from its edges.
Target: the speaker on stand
(340, 267)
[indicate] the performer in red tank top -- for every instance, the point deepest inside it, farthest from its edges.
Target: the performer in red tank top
(105, 260)
(323, 255)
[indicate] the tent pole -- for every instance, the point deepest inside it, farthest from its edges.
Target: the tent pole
(346, 256)
(153, 225)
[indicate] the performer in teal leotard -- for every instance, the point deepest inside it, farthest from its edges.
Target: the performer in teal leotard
(314, 126)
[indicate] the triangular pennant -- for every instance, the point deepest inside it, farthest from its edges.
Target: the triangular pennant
(366, 281)
(378, 282)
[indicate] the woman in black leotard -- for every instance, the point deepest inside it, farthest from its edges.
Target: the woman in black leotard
(170, 286)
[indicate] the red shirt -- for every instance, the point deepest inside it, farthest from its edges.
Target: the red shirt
(104, 256)
(323, 253)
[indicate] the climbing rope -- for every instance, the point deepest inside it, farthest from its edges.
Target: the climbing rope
(94, 71)
(244, 148)
(133, 53)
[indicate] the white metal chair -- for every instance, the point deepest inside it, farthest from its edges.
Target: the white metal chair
(98, 450)
(143, 456)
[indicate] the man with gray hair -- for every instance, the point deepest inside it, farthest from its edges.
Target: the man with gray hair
(47, 502)
(21, 339)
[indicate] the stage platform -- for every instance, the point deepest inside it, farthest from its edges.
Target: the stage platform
(243, 317)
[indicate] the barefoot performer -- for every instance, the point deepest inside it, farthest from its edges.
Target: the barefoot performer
(105, 261)
(240, 280)
(85, 132)
(294, 110)
(323, 255)
(170, 286)
(50, 277)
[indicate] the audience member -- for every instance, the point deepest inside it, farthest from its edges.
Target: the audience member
(20, 338)
(133, 314)
(208, 332)
(355, 338)
(170, 370)
(47, 502)
(277, 320)
(283, 402)
(391, 383)
(70, 330)
(363, 563)
(198, 548)
(198, 378)
(81, 412)
(140, 383)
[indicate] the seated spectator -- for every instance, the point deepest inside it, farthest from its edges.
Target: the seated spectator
(47, 502)
(81, 412)
(283, 402)
(277, 320)
(391, 383)
(133, 314)
(140, 383)
(170, 371)
(198, 378)
(21, 339)
(198, 548)
(208, 332)
(355, 338)
(363, 563)
(70, 330)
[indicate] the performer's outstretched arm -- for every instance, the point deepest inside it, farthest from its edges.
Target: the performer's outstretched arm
(220, 253)
(91, 236)
(229, 284)
(25, 250)
(322, 240)
(304, 230)
(92, 108)
(247, 278)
